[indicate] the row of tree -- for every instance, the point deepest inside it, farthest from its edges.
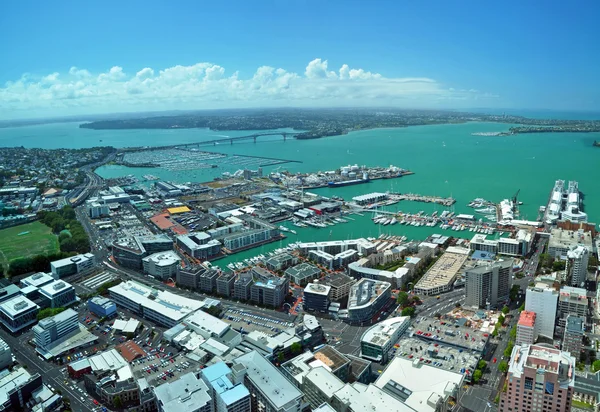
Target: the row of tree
(37, 263)
(71, 234)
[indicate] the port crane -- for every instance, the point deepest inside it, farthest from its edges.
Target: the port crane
(514, 199)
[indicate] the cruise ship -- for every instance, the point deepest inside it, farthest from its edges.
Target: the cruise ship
(565, 203)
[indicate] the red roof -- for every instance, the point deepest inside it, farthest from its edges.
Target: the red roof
(527, 319)
(131, 350)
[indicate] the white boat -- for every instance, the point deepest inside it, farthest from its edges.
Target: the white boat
(393, 221)
(293, 231)
(486, 210)
(284, 229)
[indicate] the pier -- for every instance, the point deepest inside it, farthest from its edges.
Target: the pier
(444, 201)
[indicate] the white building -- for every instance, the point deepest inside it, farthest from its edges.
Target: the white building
(577, 264)
(37, 280)
(189, 393)
(163, 307)
(398, 278)
(424, 388)
(480, 242)
(58, 294)
(72, 265)
(5, 355)
(367, 297)
(162, 265)
(97, 208)
(270, 390)
(18, 313)
(561, 241)
(55, 328)
(206, 325)
(377, 341)
(542, 300)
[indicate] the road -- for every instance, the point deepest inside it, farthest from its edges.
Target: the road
(51, 373)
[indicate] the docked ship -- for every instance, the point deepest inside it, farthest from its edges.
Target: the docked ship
(564, 203)
(348, 182)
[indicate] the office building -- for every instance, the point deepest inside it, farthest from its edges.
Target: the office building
(269, 389)
(72, 265)
(241, 286)
(250, 238)
(55, 328)
(480, 242)
(419, 386)
(573, 336)
(18, 313)
(577, 265)
(562, 241)
(270, 292)
(199, 245)
(102, 307)
(162, 265)
(441, 276)
(542, 300)
(37, 280)
(225, 283)
(316, 297)
(540, 378)
(129, 252)
(587, 389)
(189, 393)
(303, 274)
(340, 285)
(97, 208)
(227, 395)
(189, 277)
(5, 355)
(488, 285)
(320, 385)
(367, 298)
(572, 301)
(162, 307)
(526, 328)
(359, 270)
(17, 388)
(57, 294)
(281, 262)
(333, 247)
(377, 342)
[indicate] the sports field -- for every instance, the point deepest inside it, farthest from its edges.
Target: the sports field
(39, 240)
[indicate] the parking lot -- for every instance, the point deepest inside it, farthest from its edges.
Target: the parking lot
(159, 368)
(249, 321)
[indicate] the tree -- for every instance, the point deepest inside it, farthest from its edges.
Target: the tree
(457, 304)
(117, 402)
(508, 350)
(558, 265)
(415, 299)
(596, 366)
(296, 348)
(481, 365)
(280, 357)
(505, 310)
(522, 307)
(402, 299)
(503, 366)
(501, 319)
(477, 375)
(513, 333)
(409, 311)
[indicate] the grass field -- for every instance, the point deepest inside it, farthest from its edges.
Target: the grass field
(38, 241)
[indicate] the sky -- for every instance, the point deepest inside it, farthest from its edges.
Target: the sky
(72, 57)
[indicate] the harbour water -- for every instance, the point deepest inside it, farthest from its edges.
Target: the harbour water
(446, 159)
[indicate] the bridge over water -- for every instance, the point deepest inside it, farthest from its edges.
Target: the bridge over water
(231, 140)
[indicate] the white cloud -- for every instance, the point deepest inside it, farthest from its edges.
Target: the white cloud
(206, 85)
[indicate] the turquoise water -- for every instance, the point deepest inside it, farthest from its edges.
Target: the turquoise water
(446, 159)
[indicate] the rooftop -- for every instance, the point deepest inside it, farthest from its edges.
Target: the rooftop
(575, 324)
(331, 357)
(303, 270)
(38, 279)
(205, 324)
(337, 280)
(268, 380)
(188, 393)
(325, 380)
(445, 269)
(11, 380)
(370, 398)
(317, 289)
(381, 333)
(218, 377)
(565, 239)
(16, 306)
(131, 350)
(527, 319)
(365, 292)
(543, 357)
(420, 386)
(167, 258)
(55, 288)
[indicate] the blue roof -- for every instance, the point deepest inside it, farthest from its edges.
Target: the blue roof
(481, 255)
(215, 371)
(234, 394)
(217, 376)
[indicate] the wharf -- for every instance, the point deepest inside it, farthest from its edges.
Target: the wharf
(444, 201)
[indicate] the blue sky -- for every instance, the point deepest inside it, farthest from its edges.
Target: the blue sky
(73, 57)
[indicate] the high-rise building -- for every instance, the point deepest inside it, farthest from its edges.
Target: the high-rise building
(573, 336)
(55, 328)
(488, 285)
(526, 328)
(572, 301)
(189, 393)
(542, 300)
(540, 378)
(577, 263)
(316, 297)
(227, 394)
